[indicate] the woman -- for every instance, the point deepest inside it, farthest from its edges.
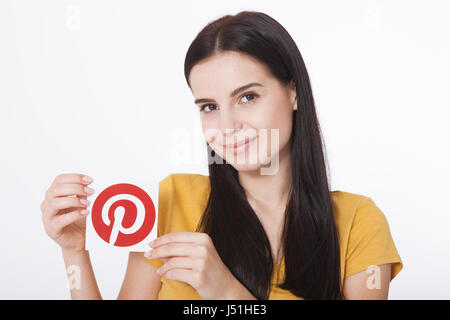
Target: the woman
(263, 224)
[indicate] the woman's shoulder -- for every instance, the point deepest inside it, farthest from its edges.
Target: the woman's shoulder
(349, 206)
(357, 216)
(364, 233)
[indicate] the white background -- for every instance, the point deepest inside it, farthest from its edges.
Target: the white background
(109, 95)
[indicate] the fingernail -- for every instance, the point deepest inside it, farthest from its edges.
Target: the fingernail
(87, 179)
(84, 201)
(151, 243)
(148, 253)
(88, 190)
(84, 211)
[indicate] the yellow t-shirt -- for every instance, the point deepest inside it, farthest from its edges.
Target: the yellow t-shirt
(364, 235)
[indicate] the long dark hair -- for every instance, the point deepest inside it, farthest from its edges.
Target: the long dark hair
(310, 241)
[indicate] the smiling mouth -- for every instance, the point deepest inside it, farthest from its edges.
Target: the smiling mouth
(239, 144)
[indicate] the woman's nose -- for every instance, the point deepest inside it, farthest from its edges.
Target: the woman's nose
(229, 123)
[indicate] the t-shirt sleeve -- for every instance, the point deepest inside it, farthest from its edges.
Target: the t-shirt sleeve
(164, 201)
(370, 241)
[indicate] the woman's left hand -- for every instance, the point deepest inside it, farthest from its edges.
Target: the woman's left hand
(192, 258)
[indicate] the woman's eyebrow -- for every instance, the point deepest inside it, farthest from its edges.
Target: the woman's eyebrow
(233, 93)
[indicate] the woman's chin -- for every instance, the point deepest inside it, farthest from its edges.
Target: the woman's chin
(244, 164)
(266, 166)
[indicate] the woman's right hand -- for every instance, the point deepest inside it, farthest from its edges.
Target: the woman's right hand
(62, 210)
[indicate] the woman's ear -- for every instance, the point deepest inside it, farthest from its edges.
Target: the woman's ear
(293, 94)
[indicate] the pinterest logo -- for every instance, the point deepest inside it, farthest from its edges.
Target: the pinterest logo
(123, 215)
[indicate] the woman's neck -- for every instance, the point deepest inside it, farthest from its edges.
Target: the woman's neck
(269, 192)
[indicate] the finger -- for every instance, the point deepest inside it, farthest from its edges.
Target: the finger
(64, 220)
(44, 205)
(184, 275)
(171, 249)
(57, 204)
(177, 262)
(69, 189)
(162, 259)
(190, 237)
(166, 258)
(73, 178)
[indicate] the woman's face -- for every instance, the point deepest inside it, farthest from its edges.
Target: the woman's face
(254, 115)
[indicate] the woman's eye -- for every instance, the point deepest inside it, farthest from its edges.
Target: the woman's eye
(206, 106)
(249, 95)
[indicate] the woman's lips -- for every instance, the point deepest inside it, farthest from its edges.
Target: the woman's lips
(239, 146)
